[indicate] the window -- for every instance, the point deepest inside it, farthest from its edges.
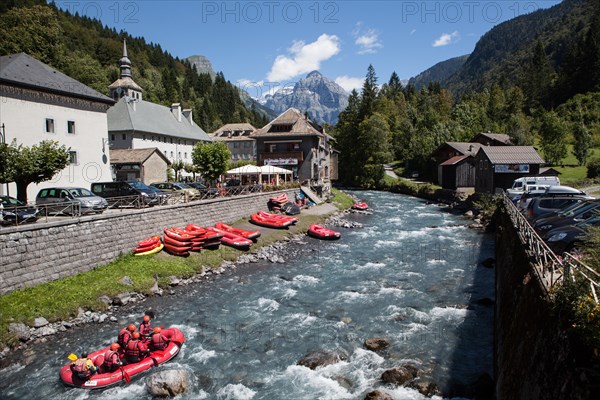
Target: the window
(143, 137)
(171, 140)
(185, 155)
(179, 155)
(112, 137)
(73, 158)
(171, 154)
(71, 127)
(236, 145)
(124, 136)
(49, 125)
(246, 144)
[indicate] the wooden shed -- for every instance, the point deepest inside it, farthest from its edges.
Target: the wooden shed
(457, 172)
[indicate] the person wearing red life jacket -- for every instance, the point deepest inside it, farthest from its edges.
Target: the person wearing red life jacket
(158, 341)
(83, 367)
(112, 361)
(125, 335)
(136, 349)
(145, 328)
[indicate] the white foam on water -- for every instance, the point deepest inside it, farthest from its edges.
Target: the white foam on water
(202, 355)
(345, 296)
(427, 214)
(302, 319)
(12, 369)
(289, 293)
(269, 305)
(386, 243)
(235, 392)
(393, 291)
(372, 265)
(306, 279)
(404, 393)
(449, 313)
(188, 331)
(314, 384)
(436, 261)
(135, 389)
(408, 313)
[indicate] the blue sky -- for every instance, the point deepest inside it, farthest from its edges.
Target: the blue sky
(265, 44)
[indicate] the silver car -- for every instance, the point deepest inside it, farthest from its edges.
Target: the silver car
(69, 200)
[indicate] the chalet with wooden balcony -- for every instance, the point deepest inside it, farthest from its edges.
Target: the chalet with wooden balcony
(294, 142)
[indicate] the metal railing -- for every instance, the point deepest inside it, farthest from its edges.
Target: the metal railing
(74, 209)
(551, 270)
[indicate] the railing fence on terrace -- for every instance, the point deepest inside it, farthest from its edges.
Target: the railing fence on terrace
(551, 270)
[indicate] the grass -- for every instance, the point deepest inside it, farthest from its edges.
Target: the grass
(61, 299)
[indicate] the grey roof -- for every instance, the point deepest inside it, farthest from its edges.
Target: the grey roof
(134, 156)
(464, 147)
(299, 125)
(244, 126)
(495, 137)
(512, 154)
(151, 118)
(23, 70)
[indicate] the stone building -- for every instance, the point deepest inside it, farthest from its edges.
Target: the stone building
(238, 140)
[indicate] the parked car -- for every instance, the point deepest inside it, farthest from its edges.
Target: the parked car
(233, 182)
(583, 211)
(550, 191)
(568, 238)
(542, 205)
(177, 187)
(69, 200)
(122, 194)
(160, 195)
(14, 211)
(204, 190)
(519, 185)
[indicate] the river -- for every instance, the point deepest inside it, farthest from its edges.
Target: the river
(412, 275)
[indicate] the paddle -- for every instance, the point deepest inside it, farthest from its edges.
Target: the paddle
(125, 375)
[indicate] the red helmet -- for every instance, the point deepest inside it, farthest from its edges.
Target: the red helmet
(114, 346)
(136, 335)
(131, 327)
(157, 329)
(146, 318)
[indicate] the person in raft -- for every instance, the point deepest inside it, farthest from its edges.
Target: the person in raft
(145, 328)
(112, 361)
(158, 341)
(136, 349)
(83, 367)
(125, 335)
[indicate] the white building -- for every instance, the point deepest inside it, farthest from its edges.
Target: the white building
(134, 123)
(39, 103)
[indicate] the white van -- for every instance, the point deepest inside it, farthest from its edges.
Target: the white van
(518, 186)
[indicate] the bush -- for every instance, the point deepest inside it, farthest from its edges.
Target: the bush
(593, 168)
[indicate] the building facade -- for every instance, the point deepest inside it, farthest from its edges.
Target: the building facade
(144, 165)
(134, 123)
(238, 140)
(294, 142)
(40, 103)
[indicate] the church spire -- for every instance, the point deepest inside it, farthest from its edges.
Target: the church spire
(125, 62)
(125, 85)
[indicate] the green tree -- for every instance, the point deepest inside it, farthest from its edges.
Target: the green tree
(583, 142)
(34, 164)
(211, 158)
(374, 138)
(553, 132)
(177, 166)
(368, 95)
(35, 31)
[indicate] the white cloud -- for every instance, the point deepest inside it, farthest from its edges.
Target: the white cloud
(446, 39)
(349, 82)
(367, 40)
(304, 57)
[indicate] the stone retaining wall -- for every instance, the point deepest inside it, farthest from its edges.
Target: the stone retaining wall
(42, 252)
(536, 354)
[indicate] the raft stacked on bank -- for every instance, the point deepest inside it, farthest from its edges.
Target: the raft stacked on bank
(104, 378)
(149, 246)
(275, 221)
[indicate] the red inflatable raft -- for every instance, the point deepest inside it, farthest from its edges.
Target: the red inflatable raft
(269, 222)
(278, 217)
(102, 378)
(231, 239)
(360, 206)
(321, 232)
(252, 235)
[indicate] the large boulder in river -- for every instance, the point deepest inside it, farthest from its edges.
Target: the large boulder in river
(321, 359)
(397, 376)
(169, 383)
(376, 344)
(378, 395)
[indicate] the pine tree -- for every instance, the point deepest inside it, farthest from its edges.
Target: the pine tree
(368, 95)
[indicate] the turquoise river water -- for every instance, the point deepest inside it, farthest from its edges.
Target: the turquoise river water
(411, 274)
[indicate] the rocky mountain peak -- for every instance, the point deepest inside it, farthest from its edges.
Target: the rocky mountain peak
(203, 65)
(316, 94)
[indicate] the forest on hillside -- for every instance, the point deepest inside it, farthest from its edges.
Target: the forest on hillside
(87, 51)
(550, 103)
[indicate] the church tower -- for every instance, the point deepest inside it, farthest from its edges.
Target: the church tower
(125, 85)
